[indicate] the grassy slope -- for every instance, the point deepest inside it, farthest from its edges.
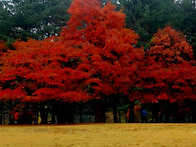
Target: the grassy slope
(99, 135)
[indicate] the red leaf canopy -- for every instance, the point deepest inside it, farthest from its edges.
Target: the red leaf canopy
(109, 53)
(93, 56)
(169, 70)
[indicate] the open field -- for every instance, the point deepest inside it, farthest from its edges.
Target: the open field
(158, 135)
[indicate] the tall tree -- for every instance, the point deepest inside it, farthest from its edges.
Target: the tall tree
(6, 22)
(167, 74)
(94, 54)
(169, 66)
(109, 46)
(186, 20)
(146, 16)
(32, 19)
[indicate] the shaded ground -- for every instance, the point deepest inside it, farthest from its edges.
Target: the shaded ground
(158, 135)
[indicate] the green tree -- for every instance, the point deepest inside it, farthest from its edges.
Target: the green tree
(55, 17)
(146, 16)
(186, 21)
(5, 21)
(32, 19)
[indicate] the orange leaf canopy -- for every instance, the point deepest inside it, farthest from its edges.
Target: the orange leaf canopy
(92, 57)
(169, 70)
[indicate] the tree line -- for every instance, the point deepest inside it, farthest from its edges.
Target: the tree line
(40, 19)
(98, 60)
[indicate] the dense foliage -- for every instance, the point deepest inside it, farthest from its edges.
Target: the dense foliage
(36, 19)
(94, 57)
(40, 19)
(169, 69)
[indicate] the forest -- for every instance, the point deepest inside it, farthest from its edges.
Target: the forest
(76, 61)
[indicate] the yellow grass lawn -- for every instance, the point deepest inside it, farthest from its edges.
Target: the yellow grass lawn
(98, 135)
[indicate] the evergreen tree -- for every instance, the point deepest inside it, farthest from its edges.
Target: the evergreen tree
(32, 19)
(186, 21)
(146, 16)
(6, 22)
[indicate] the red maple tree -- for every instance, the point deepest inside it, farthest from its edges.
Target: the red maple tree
(94, 57)
(38, 71)
(108, 47)
(169, 70)
(110, 54)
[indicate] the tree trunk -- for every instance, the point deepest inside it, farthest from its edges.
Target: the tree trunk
(36, 112)
(1, 111)
(119, 116)
(103, 111)
(81, 113)
(167, 111)
(131, 113)
(44, 113)
(64, 113)
(155, 110)
(161, 117)
(175, 112)
(114, 107)
(53, 111)
(10, 113)
(193, 112)
(59, 111)
(115, 114)
(70, 113)
(100, 111)
(96, 111)
(37, 118)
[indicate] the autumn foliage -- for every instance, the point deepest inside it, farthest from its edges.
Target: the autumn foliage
(3, 46)
(38, 71)
(169, 69)
(90, 59)
(107, 47)
(94, 57)
(170, 47)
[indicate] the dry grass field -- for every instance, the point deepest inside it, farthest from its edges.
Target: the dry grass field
(99, 135)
